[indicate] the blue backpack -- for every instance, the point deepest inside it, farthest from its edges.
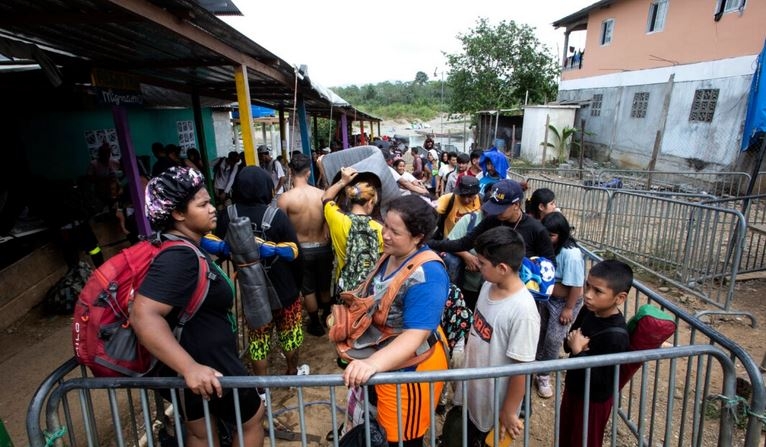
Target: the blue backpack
(539, 275)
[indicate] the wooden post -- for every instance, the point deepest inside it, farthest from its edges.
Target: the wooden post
(513, 139)
(582, 144)
(661, 129)
(545, 142)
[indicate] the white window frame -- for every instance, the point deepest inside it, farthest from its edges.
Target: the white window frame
(658, 11)
(731, 5)
(607, 31)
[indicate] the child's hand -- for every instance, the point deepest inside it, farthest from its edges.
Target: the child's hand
(577, 341)
(512, 427)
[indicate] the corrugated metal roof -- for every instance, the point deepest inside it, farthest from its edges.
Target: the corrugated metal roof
(176, 45)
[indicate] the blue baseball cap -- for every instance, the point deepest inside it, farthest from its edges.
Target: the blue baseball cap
(502, 195)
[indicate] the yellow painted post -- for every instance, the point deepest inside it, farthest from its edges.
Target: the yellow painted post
(245, 114)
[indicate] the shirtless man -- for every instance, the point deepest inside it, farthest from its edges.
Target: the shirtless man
(303, 205)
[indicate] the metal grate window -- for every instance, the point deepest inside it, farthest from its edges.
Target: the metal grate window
(703, 107)
(640, 103)
(595, 104)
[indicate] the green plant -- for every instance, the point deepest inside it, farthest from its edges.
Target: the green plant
(564, 139)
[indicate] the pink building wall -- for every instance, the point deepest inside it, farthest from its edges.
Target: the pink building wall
(690, 35)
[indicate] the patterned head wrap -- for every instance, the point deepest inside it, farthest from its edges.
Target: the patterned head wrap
(166, 192)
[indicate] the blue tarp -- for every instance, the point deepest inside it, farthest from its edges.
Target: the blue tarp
(258, 112)
(755, 119)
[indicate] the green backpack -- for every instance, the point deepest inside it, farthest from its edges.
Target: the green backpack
(362, 252)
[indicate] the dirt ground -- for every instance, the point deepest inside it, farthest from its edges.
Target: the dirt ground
(36, 344)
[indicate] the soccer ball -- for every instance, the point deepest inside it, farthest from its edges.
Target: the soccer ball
(547, 270)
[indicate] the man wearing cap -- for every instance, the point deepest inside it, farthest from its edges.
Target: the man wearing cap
(275, 169)
(463, 200)
(503, 206)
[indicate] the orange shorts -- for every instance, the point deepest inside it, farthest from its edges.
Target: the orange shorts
(416, 402)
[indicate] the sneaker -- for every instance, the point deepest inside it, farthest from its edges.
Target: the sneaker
(303, 370)
(544, 389)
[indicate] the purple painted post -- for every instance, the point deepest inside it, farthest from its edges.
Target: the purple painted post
(344, 129)
(120, 116)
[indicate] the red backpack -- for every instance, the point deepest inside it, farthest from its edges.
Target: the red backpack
(102, 337)
(647, 329)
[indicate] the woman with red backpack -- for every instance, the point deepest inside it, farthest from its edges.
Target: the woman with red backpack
(178, 204)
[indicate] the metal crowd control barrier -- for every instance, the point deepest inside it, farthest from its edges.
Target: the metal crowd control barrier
(683, 395)
(693, 246)
(715, 183)
(754, 209)
(556, 174)
(722, 184)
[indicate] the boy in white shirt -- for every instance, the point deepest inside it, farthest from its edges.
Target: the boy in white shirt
(506, 327)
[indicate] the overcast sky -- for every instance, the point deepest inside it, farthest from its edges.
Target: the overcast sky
(356, 42)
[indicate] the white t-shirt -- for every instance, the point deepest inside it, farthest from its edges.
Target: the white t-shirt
(503, 332)
(444, 170)
(277, 173)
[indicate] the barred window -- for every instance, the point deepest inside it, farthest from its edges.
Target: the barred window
(640, 103)
(595, 104)
(703, 107)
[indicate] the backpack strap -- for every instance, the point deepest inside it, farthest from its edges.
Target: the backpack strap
(268, 217)
(380, 312)
(472, 221)
(404, 272)
(204, 277)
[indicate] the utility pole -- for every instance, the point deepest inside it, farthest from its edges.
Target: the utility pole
(441, 104)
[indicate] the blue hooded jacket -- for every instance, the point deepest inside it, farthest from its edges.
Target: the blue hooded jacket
(500, 163)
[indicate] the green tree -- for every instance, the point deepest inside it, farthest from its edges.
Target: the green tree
(421, 78)
(369, 93)
(498, 66)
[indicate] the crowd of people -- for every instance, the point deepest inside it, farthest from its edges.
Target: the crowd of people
(459, 206)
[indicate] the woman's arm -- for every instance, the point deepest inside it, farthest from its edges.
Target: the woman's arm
(148, 320)
(358, 372)
(346, 176)
(415, 186)
(466, 242)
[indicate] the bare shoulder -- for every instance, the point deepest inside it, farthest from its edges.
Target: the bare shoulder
(300, 196)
